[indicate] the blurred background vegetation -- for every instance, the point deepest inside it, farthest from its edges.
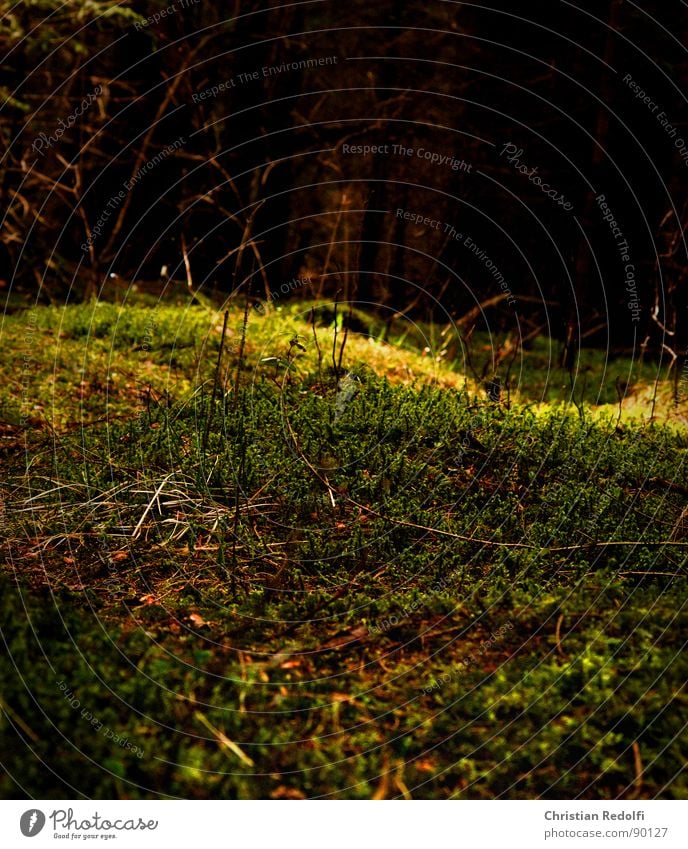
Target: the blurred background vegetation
(251, 183)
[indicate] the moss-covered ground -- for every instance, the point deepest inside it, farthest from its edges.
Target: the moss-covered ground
(241, 574)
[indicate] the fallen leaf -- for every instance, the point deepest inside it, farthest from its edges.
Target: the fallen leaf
(197, 620)
(286, 793)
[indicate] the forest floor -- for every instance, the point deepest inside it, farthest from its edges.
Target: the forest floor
(228, 575)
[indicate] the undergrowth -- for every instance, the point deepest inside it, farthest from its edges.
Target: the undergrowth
(290, 585)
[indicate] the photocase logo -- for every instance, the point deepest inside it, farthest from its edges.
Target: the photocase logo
(32, 822)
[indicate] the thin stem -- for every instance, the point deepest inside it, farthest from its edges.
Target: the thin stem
(334, 341)
(317, 345)
(216, 380)
(242, 343)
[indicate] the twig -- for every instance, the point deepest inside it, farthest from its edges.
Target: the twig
(137, 529)
(383, 786)
(399, 782)
(223, 739)
(654, 574)
(187, 267)
(11, 715)
(638, 766)
(476, 311)
(557, 637)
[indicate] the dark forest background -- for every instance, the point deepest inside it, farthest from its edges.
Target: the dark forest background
(251, 186)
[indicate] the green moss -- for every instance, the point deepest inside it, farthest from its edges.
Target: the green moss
(260, 593)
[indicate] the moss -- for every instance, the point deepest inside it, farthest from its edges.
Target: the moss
(251, 595)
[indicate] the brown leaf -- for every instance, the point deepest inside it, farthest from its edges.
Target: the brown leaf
(197, 620)
(283, 792)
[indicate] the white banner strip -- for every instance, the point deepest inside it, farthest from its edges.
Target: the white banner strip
(344, 824)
